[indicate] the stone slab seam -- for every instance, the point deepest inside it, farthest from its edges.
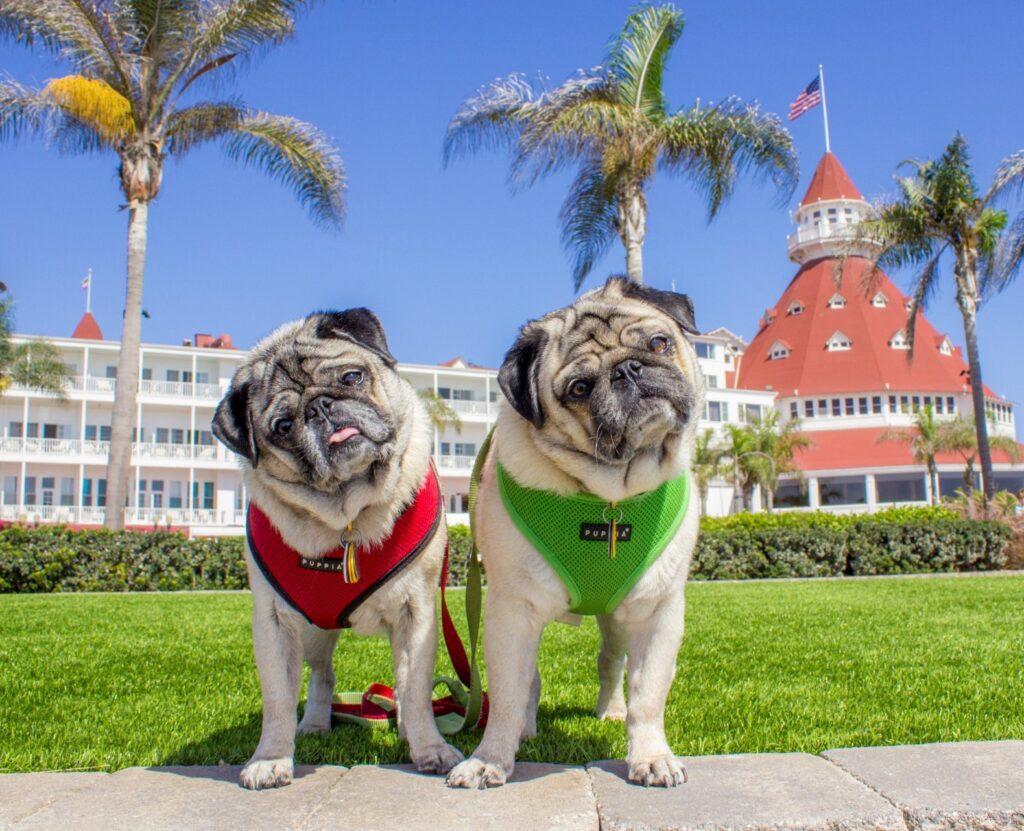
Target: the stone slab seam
(42, 807)
(304, 822)
(908, 819)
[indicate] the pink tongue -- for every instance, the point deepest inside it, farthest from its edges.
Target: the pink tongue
(344, 434)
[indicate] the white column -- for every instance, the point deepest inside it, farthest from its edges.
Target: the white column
(871, 491)
(24, 436)
(812, 493)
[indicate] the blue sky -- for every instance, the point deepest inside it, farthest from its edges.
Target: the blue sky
(451, 260)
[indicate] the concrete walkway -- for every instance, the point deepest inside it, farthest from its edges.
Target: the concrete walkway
(939, 787)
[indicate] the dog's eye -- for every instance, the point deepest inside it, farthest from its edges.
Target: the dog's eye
(352, 378)
(659, 344)
(578, 389)
(282, 426)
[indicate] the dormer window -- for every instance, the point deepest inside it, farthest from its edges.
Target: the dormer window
(880, 301)
(769, 316)
(779, 350)
(839, 342)
(795, 308)
(837, 301)
(899, 340)
(945, 347)
(908, 305)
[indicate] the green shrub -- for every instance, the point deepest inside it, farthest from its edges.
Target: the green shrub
(810, 544)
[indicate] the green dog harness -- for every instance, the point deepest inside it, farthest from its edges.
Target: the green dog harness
(599, 549)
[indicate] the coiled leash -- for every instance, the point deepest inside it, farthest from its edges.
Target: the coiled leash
(466, 703)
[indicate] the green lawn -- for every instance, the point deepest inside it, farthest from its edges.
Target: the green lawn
(107, 681)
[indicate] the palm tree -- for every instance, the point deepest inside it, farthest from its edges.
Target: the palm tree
(614, 123)
(745, 463)
(929, 437)
(961, 436)
(774, 452)
(35, 364)
(939, 211)
(708, 464)
(133, 62)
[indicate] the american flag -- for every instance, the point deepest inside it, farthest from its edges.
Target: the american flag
(808, 98)
(87, 280)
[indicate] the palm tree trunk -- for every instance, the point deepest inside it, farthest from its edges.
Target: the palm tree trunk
(968, 310)
(632, 226)
(118, 468)
(933, 481)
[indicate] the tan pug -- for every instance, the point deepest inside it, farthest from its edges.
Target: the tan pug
(604, 398)
(334, 446)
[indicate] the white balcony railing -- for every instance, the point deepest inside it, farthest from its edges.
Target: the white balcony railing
(456, 462)
(159, 517)
(166, 389)
(101, 449)
(469, 407)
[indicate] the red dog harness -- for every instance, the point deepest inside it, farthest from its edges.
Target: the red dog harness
(323, 588)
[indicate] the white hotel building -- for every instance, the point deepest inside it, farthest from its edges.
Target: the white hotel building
(53, 450)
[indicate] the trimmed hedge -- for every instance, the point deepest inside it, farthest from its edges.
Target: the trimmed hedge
(898, 541)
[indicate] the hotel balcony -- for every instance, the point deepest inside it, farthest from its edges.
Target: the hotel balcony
(455, 464)
(175, 390)
(64, 450)
(474, 409)
(148, 517)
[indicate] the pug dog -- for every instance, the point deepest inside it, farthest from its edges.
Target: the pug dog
(334, 445)
(603, 398)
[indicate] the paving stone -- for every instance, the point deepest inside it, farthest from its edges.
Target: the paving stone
(945, 787)
(537, 797)
(193, 798)
(23, 794)
(757, 792)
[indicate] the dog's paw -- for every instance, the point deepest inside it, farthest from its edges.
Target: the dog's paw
(437, 758)
(476, 774)
(313, 725)
(266, 773)
(613, 712)
(660, 771)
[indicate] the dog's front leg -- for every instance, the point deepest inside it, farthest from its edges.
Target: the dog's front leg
(653, 646)
(611, 668)
(277, 643)
(413, 635)
(511, 638)
(318, 649)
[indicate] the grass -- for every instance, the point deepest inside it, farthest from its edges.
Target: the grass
(108, 681)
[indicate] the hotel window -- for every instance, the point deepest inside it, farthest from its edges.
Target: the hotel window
(157, 487)
(916, 403)
(863, 406)
(10, 493)
(142, 492)
(444, 392)
(950, 405)
(892, 403)
(90, 432)
(47, 484)
(880, 301)
(945, 348)
(751, 413)
(30, 490)
(186, 376)
(67, 491)
(822, 407)
(938, 404)
(899, 487)
(466, 449)
(101, 493)
(795, 308)
(87, 493)
(172, 376)
(446, 448)
(174, 497)
(147, 374)
(778, 351)
(14, 429)
(842, 490)
(203, 437)
(904, 404)
(163, 435)
(716, 411)
(458, 503)
(809, 409)
(838, 342)
(177, 436)
(33, 430)
(49, 431)
(794, 410)
(462, 395)
(202, 377)
(111, 372)
(850, 408)
(836, 301)
(711, 382)
(207, 500)
(837, 407)
(104, 432)
(899, 340)
(876, 404)
(705, 350)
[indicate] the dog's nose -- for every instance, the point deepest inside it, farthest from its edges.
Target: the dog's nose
(629, 370)
(319, 406)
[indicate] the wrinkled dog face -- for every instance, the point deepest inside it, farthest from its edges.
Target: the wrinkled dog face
(313, 403)
(612, 376)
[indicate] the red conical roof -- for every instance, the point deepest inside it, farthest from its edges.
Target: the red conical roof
(870, 364)
(87, 328)
(830, 181)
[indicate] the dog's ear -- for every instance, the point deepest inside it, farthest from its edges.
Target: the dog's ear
(361, 326)
(232, 423)
(518, 374)
(679, 307)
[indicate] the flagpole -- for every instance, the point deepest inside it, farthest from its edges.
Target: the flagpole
(88, 292)
(824, 106)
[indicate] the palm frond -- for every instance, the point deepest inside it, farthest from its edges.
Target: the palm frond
(296, 154)
(491, 119)
(241, 26)
(588, 220)
(1009, 178)
(207, 121)
(636, 59)
(1001, 267)
(95, 104)
(713, 145)
(74, 30)
(925, 285)
(37, 365)
(24, 110)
